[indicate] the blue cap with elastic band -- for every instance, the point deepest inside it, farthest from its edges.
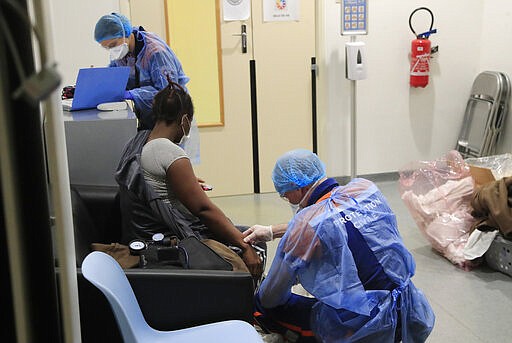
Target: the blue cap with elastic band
(296, 169)
(112, 26)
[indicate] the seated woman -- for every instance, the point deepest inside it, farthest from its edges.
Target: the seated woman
(158, 189)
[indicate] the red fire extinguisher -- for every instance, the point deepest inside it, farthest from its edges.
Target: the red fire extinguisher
(420, 53)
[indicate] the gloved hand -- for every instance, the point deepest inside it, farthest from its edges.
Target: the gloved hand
(258, 233)
(128, 95)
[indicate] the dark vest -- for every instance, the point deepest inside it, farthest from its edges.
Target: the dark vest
(143, 213)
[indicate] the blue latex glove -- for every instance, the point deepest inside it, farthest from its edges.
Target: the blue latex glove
(128, 95)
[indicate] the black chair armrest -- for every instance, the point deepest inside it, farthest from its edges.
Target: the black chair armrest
(169, 300)
(102, 203)
(183, 298)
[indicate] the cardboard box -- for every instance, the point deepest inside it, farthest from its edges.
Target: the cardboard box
(481, 175)
(490, 168)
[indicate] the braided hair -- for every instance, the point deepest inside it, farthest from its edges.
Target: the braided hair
(171, 103)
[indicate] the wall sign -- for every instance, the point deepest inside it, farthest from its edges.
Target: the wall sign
(354, 17)
(281, 10)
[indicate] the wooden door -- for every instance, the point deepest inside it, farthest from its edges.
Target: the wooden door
(226, 151)
(280, 52)
(283, 52)
(281, 55)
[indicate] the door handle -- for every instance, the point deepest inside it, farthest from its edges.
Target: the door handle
(243, 34)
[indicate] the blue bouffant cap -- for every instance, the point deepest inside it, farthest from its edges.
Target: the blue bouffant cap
(296, 169)
(112, 26)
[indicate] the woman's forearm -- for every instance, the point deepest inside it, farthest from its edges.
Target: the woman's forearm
(222, 227)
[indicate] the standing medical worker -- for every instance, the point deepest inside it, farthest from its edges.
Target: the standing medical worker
(343, 247)
(151, 61)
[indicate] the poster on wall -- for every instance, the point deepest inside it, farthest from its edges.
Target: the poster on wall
(281, 10)
(236, 9)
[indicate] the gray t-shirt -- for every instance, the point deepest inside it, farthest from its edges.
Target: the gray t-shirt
(156, 157)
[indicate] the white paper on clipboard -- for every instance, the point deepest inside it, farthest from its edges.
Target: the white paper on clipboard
(236, 9)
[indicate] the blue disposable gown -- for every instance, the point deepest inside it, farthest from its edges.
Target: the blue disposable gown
(314, 251)
(152, 64)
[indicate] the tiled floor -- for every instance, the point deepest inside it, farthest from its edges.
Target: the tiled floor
(470, 307)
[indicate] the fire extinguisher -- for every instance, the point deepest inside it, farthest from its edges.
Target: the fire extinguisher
(420, 53)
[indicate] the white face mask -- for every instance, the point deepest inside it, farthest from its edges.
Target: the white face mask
(296, 207)
(118, 52)
(185, 137)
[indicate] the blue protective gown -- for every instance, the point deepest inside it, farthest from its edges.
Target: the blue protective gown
(315, 251)
(148, 76)
(148, 72)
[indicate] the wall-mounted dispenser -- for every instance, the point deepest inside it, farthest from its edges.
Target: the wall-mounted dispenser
(355, 61)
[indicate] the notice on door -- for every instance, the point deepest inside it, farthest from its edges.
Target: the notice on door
(281, 10)
(236, 9)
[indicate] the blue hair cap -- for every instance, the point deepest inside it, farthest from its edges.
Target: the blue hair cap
(112, 26)
(296, 169)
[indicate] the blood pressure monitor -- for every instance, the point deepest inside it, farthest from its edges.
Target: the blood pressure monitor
(137, 246)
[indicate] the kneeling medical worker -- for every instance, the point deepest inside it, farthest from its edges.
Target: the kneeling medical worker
(344, 248)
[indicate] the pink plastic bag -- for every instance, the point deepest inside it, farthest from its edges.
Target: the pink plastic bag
(438, 195)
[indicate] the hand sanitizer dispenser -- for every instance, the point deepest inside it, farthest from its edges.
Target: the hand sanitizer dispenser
(355, 60)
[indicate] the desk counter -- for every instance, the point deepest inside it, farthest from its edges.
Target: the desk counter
(95, 140)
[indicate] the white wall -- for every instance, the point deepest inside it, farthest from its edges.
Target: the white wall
(73, 29)
(396, 123)
(495, 45)
(150, 14)
(495, 50)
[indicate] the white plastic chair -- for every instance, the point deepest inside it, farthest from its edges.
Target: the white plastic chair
(106, 274)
